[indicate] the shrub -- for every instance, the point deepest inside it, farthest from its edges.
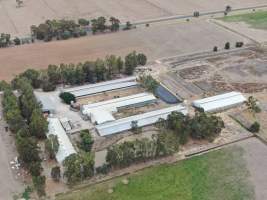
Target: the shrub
(86, 141)
(67, 97)
(39, 184)
(227, 46)
(66, 35)
(255, 127)
(239, 44)
(83, 22)
(141, 59)
(104, 169)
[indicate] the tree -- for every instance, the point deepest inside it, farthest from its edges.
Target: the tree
(51, 146)
(130, 63)
(100, 70)
(55, 173)
(83, 22)
(128, 26)
(111, 63)
(27, 149)
(54, 74)
(35, 168)
(89, 71)
(141, 59)
(78, 167)
(86, 141)
(67, 97)
(120, 64)
(33, 76)
(17, 41)
(39, 184)
(38, 124)
(215, 49)
(149, 83)
(255, 127)
(227, 46)
(115, 24)
(4, 40)
(252, 104)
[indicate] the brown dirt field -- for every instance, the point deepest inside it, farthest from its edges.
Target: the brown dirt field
(17, 21)
(154, 42)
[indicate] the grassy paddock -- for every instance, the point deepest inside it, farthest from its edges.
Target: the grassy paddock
(256, 20)
(216, 175)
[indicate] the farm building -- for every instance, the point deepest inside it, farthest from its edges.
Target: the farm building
(92, 89)
(142, 120)
(65, 147)
(113, 105)
(220, 102)
(101, 116)
(47, 104)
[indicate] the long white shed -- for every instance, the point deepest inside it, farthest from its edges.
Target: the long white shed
(220, 102)
(65, 146)
(92, 89)
(113, 104)
(144, 119)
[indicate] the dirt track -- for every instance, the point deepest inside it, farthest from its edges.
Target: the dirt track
(156, 41)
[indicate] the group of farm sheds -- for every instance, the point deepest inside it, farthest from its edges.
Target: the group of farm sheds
(101, 113)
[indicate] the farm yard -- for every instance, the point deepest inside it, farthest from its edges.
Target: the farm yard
(180, 94)
(152, 41)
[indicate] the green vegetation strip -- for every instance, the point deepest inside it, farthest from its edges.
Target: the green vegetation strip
(216, 175)
(256, 20)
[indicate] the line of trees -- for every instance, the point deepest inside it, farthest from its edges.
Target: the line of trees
(24, 117)
(140, 150)
(89, 71)
(65, 29)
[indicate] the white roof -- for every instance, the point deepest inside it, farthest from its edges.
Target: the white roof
(47, 103)
(101, 116)
(65, 146)
(91, 89)
(142, 120)
(220, 102)
(113, 104)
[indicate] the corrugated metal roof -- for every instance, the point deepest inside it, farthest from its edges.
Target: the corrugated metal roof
(219, 102)
(47, 103)
(142, 120)
(103, 88)
(65, 146)
(90, 86)
(101, 116)
(114, 104)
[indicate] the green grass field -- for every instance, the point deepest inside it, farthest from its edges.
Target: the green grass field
(256, 20)
(218, 175)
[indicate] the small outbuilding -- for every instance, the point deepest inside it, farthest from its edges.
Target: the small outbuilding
(220, 102)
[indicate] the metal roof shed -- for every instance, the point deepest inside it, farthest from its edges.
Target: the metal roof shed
(65, 147)
(117, 103)
(101, 116)
(90, 86)
(220, 102)
(47, 103)
(142, 120)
